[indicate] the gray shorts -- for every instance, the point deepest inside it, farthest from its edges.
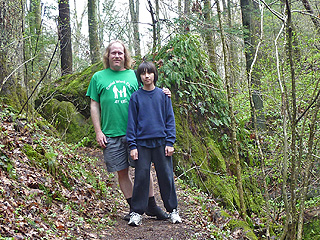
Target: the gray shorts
(116, 154)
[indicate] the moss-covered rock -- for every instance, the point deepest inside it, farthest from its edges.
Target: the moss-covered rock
(70, 88)
(64, 105)
(68, 121)
(238, 224)
(199, 161)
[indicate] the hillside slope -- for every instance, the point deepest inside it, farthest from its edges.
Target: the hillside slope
(52, 190)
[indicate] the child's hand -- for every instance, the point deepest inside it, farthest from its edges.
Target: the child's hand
(134, 154)
(169, 151)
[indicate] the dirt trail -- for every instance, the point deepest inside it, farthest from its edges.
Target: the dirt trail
(158, 229)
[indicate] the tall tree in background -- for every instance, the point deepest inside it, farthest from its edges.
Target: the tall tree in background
(158, 22)
(208, 33)
(231, 41)
(186, 12)
(65, 37)
(35, 23)
(93, 32)
(12, 86)
(314, 17)
(250, 21)
(155, 22)
(81, 56)
(134, 12)
(233, 123)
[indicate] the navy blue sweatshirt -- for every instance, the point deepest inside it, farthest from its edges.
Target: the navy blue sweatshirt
(150, 117)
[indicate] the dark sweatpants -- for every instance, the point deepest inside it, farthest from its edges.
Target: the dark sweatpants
(164, 170)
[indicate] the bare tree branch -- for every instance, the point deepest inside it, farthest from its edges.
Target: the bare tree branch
(6, 79)
(55, 50)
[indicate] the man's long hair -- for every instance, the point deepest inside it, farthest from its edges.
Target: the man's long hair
(127, 57)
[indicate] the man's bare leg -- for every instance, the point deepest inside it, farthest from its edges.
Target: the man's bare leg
(125, 183)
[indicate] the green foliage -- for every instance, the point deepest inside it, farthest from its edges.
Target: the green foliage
(313, 201)
(183, 66)
(6, 164)
(311, 230)
(234, 224)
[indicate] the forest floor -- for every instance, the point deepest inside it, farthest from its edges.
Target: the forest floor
(194, 225)
(53, 190)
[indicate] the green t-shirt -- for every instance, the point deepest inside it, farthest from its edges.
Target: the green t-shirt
(113, 89)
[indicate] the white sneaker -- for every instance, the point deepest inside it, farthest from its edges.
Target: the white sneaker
(135, 219)
(174, 217)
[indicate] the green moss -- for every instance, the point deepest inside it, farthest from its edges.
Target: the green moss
(225, 214)
(217, 160)
(68, 107)
(45, 126)
(70, 88)
(253, 195)
(238, 224)
(311, 230)
(199, 161)
(64, 116)
(36, 156)
(15, 96)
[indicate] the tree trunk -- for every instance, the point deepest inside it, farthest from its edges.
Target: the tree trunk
(234, 75)
(292, 226)
(186, 11)
(306, 173)
(154, 27)
(158, 23)
(12, 85)
(134, 12)
(209, 35)
(65, 37)
(93, 32)
(250, 22)
(285, 161)
(232, 117)
(257, 135)
(35, 31)
(314, 18)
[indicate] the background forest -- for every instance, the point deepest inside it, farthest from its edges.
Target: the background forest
(245, 81)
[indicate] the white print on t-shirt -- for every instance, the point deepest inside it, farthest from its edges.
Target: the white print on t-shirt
(110, 85)
(123, 92)
(122, 101)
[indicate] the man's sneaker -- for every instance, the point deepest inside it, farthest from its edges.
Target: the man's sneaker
(157, 212)
(174, 217)
(135, 219)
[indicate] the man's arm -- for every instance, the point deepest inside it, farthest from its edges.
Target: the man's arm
(132, 125)
(170, 123)
(95, 116)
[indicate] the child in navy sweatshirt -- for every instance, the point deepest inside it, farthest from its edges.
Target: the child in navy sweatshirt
(151, 134)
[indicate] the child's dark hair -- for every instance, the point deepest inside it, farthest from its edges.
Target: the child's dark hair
(147, 67)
